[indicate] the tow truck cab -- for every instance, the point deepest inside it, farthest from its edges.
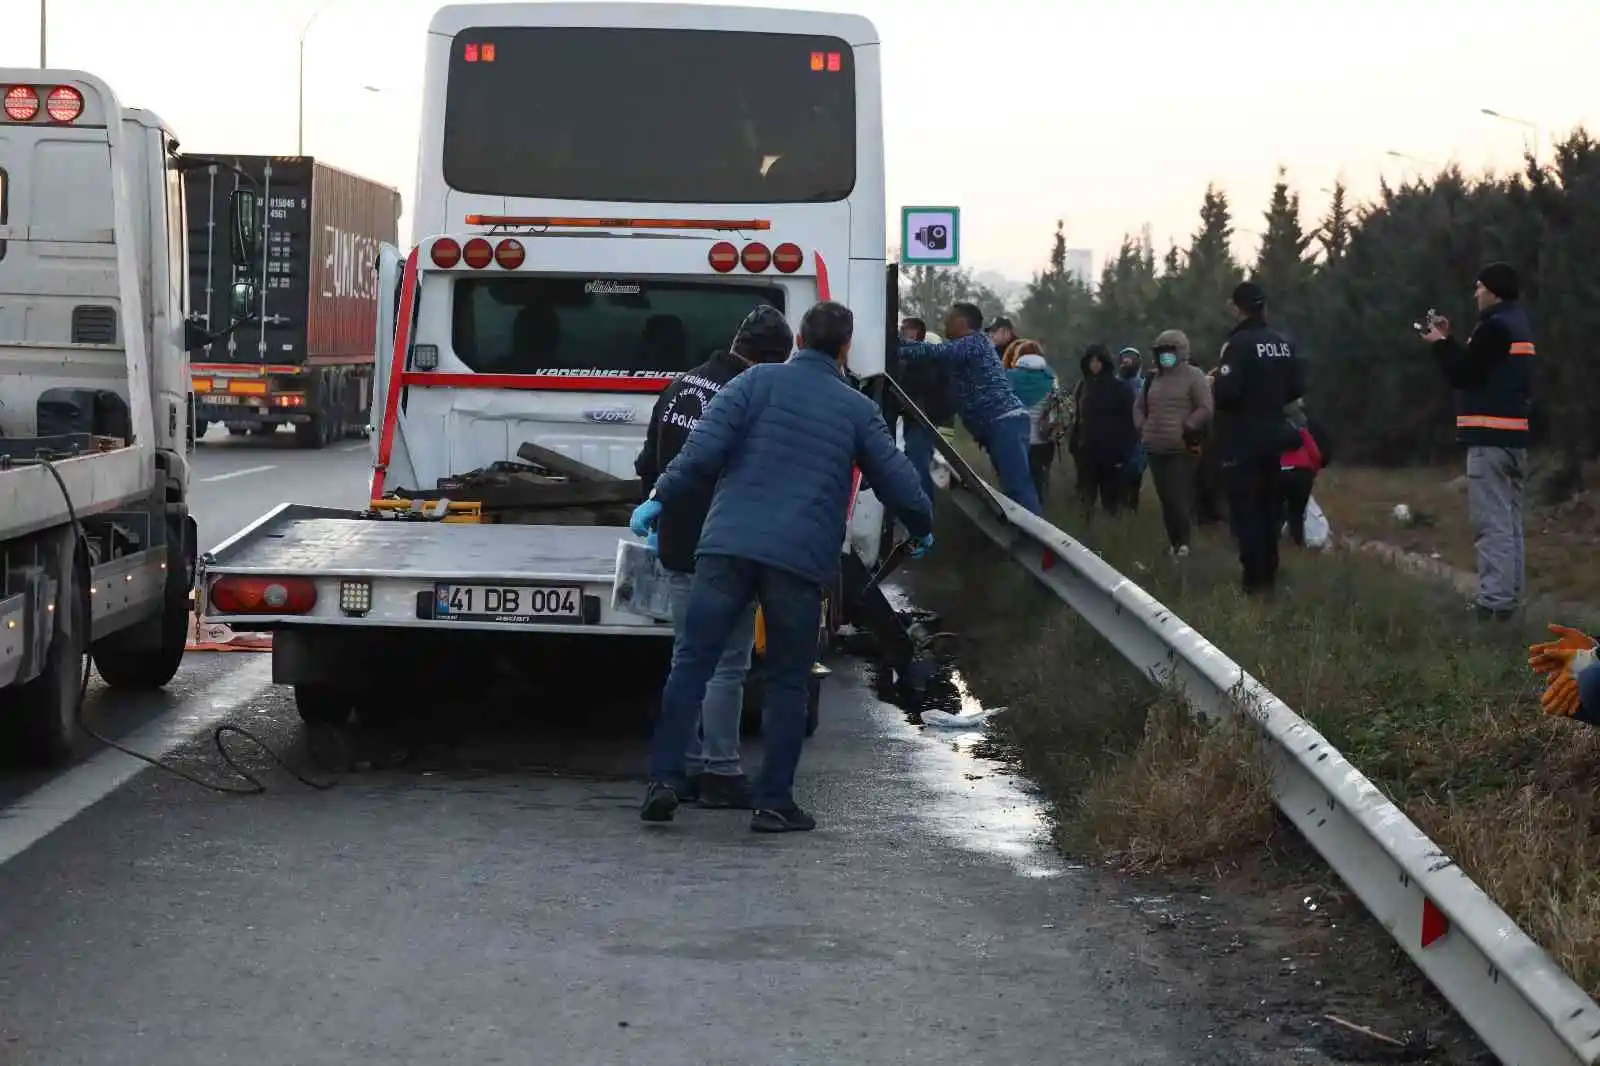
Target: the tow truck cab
(528, 334)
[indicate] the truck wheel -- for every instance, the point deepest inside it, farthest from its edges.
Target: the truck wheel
(312, 434)
(264, 430)
(47, 707)
(238, 429)
(197, 429)
(157, 662)
(323, 704)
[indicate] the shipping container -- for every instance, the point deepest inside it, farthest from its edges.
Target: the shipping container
(307, 359)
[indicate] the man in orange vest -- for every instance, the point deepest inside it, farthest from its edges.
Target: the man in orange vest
(1492, 374)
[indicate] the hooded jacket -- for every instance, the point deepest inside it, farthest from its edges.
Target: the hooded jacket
(982, 392)
(1032, 380)
(1174, 406)
(1106, 433)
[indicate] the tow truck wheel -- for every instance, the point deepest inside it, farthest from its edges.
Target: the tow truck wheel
(323, 704)
(155, 664)
(47, 707)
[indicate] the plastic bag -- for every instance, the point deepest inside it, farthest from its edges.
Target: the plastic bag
(641, 585)
(1319, 534)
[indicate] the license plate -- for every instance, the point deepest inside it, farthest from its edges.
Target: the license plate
(515, 604)
(223, 399)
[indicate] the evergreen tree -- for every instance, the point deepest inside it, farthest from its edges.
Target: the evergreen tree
(1334, 233)
(1282, 267)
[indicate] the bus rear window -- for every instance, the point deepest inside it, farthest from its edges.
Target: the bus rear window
(563, 325)
(655, 116)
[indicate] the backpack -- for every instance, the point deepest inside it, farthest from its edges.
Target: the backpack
(1055, 424)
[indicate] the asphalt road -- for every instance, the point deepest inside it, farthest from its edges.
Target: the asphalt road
(492, 897)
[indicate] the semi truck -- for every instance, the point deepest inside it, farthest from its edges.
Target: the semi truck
(306, 358)
(97, 545)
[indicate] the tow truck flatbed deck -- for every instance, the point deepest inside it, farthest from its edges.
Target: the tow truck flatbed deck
(407, 562)
(293, 539)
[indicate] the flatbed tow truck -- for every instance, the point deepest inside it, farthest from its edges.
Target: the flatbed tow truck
(96, 541)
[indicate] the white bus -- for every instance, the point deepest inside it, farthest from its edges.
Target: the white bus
(604, 190)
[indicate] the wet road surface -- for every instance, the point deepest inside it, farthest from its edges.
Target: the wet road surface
(493, 897)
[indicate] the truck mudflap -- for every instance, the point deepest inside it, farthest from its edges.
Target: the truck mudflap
(306, 567)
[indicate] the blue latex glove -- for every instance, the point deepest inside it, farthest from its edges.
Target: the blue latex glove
(652, 543)
(921, 546)
(645, 517)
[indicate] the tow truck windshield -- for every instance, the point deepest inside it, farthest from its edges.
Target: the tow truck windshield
(671, 116)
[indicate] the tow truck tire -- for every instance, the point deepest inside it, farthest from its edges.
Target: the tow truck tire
(47, 707)
(323, 704)
(152, 667)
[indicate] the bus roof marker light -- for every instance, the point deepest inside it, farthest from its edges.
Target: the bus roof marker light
(64, 104)
(816, 60)
(487, 51)
(22, 103)
(470, 53)
(755, 257)
(834, 62)
(788, 258)
(446, 253)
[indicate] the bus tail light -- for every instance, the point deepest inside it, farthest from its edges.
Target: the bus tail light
(446, 253)
(788, 258)
(477, 253)
(509, 253)
(22, 103)
(724, 257)
(64, 104)
(263, 595)
(755, 257)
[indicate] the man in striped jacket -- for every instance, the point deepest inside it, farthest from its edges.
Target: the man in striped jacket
(1492, 374)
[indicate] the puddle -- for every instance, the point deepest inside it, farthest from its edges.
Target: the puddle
(976, 803)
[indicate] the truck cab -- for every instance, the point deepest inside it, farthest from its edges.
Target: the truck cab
(96, 541)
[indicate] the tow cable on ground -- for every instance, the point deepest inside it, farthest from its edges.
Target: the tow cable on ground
(255, 787)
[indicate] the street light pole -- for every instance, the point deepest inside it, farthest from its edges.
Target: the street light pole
(43, 4)
(1538, 137)
(300, 80)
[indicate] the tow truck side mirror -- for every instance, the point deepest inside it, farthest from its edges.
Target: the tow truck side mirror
(244, 299)
(244, 227)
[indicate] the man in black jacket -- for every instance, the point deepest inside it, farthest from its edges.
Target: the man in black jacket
(716, 777)
(1493, 377)
(1257, 377)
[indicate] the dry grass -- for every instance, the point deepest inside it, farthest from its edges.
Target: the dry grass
(1560, 539)
(1437, 709)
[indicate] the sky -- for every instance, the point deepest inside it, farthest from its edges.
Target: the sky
(1106, 115)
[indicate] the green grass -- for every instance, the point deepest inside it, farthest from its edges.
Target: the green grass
(1437, 709)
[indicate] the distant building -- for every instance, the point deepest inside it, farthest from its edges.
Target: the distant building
(1080, 264)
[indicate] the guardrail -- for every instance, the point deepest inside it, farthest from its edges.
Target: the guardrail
(1522, 1005)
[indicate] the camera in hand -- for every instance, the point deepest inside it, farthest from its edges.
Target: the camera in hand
(934, 238)
(1428, 321)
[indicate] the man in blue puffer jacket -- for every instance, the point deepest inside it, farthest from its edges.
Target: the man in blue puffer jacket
(989, 406)
(778, 443)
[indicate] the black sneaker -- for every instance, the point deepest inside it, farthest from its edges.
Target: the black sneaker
(790, 819)
(725, 792)
(660, 803)
(689, 791)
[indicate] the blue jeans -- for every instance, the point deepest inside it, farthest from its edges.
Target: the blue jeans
(714, 745)
(724, 589)
(920, 450)
(1006, 441)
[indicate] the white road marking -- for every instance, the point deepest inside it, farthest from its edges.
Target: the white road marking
(49, 807)
(240, 473)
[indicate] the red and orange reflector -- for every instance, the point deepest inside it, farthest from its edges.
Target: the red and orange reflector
(510, 253)
(263, 595)
(755, 257)
(64, 104)
(788, 258)
(477, 253)
(446, 253)
(829, 61)
(21, 103)
(723, 257)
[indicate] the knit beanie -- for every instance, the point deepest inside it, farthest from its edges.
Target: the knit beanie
(1500, 279)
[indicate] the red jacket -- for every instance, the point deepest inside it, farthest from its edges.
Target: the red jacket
(1306, 457)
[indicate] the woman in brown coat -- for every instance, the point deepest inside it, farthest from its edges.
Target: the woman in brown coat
(1172, 414)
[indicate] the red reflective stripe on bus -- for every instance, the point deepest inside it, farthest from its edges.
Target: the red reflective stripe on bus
(402, 343)
(427, 379)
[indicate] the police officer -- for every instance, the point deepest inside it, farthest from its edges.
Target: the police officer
(1257, 377)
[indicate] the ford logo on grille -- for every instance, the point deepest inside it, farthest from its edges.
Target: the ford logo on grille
(609, 415)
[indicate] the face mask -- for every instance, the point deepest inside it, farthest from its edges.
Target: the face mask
(1169, 360)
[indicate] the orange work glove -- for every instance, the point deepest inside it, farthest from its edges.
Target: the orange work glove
(1544, 658)
(1561, 696)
